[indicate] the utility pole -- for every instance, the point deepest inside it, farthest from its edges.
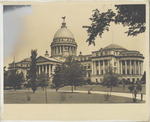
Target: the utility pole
(14, 63)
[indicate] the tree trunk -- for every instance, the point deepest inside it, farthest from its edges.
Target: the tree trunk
(56, 89)
(14, 88)
(111, 89)
(72, 88)
(45, 95)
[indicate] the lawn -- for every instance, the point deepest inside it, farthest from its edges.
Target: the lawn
(20, 96)
(101, 88)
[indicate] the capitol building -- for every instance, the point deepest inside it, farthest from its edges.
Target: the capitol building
(127, 63)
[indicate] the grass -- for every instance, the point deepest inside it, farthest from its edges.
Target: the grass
(101, 88)
(20, 96)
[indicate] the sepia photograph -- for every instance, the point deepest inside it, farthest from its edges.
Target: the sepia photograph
(75, 60)
(95, 56)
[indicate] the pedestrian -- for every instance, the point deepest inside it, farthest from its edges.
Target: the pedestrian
(141, 96)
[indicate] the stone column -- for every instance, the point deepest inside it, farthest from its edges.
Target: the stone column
(130, 69)
(125, 67)
(118, 66)
(103, 67)
(99, 67)
(49, 69)
(121, 67)
(53, 68)
(42, 68)
(69, 49)
(39, 69)
(61, 49)
(58, 50)
(55, 50)
(138, 67)
(135, 67)
(141, 67)
(46, 68)
(93, 67)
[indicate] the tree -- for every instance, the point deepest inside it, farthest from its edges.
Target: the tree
(132, 16)
(134, 89)
(57, 80)
(110, 79)
(72, 73)
(32, 72)
(15, 79)
(6, 74)
(144, 78)
(43, 81)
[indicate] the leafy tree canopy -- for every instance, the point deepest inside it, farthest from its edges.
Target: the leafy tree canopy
(110, 79)
(15, 79)
(57, 80)
(32, 72)
(132, 16)
(70, 73)
(42, 79)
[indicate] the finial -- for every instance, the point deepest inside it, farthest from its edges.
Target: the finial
(64, 23)
(64, 19)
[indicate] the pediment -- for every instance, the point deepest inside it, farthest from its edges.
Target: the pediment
(42, 59)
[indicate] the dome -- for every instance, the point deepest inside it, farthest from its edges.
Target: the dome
(114, 46)
(63, 32)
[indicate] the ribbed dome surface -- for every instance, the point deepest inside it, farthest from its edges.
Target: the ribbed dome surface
(114, 46)
(63, 33)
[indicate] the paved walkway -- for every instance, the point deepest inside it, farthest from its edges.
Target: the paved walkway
(128, 95)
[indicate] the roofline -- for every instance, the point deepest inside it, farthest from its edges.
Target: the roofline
(49, 59)
(116, 56)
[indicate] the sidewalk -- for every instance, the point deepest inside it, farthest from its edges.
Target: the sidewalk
(128, 95)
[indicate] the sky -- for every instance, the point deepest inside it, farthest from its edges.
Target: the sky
(33, 27)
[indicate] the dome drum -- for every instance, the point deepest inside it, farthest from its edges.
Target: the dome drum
(58, 50)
